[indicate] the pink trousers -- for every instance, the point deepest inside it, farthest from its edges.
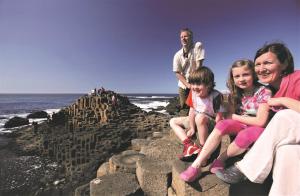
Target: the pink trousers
(245, 135)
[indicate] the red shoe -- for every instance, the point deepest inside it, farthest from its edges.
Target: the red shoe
(190, 152)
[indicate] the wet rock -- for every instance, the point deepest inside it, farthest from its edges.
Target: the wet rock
(38, 114)
(16, 122)
(173, 106)
(59, 118)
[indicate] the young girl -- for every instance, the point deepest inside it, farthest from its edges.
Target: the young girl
(205, 104)
(249, 101)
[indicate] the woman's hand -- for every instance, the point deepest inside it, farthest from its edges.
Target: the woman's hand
(285, 102)
(275, 101)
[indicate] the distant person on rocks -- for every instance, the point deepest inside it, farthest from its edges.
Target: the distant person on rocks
(205, 109)
(249, 115)
(278, 146)
(102, 89)
(187, 59)
(114, 100)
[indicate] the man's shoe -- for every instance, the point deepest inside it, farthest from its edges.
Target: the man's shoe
(231, 175)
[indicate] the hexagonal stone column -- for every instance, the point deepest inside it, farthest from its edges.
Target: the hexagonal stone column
(115, 184)
(208, 184)
(154, 176)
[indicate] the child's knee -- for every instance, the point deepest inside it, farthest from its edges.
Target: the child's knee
(217, 132)
(172, 122)
(243, 140)
(201, 119)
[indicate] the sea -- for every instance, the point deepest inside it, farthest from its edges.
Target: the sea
(23, 104)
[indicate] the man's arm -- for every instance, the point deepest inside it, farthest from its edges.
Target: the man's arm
(182, 79)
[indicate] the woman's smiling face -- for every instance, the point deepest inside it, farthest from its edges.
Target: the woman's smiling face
(269, 69)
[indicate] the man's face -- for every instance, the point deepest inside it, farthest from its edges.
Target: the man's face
(186, 39)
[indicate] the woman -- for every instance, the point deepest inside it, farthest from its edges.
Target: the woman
(278, 146)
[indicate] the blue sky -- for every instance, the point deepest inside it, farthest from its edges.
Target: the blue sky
(72, 46)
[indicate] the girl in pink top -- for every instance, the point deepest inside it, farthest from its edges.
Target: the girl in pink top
(250, 115)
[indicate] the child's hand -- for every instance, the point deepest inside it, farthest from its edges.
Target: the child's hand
(190, 132)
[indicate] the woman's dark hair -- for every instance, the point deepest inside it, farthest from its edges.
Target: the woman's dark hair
(282, 53)
(203, 75)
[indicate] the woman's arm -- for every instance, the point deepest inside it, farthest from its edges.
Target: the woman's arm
(289, 103)
(260, 119)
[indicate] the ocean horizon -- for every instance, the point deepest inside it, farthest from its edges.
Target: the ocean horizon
(22, 104)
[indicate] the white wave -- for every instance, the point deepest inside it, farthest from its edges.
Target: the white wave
(161, 97)
(3, 131)
(52, 111)
(150, 97)
(151, 105)
(37, 120)
(9, 116)
(6, 117)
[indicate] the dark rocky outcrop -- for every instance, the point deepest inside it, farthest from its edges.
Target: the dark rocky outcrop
(16, 122)
(59, 118)
(38, 114)
(173, 108)
(82, 136)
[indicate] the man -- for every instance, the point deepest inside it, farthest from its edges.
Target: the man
(187, 59)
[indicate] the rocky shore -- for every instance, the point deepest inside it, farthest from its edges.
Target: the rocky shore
(66, 151)
(100, 147)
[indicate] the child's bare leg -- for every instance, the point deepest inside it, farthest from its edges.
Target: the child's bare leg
(201, 121)
(231, 151)
(177, 124)
(209, 147)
